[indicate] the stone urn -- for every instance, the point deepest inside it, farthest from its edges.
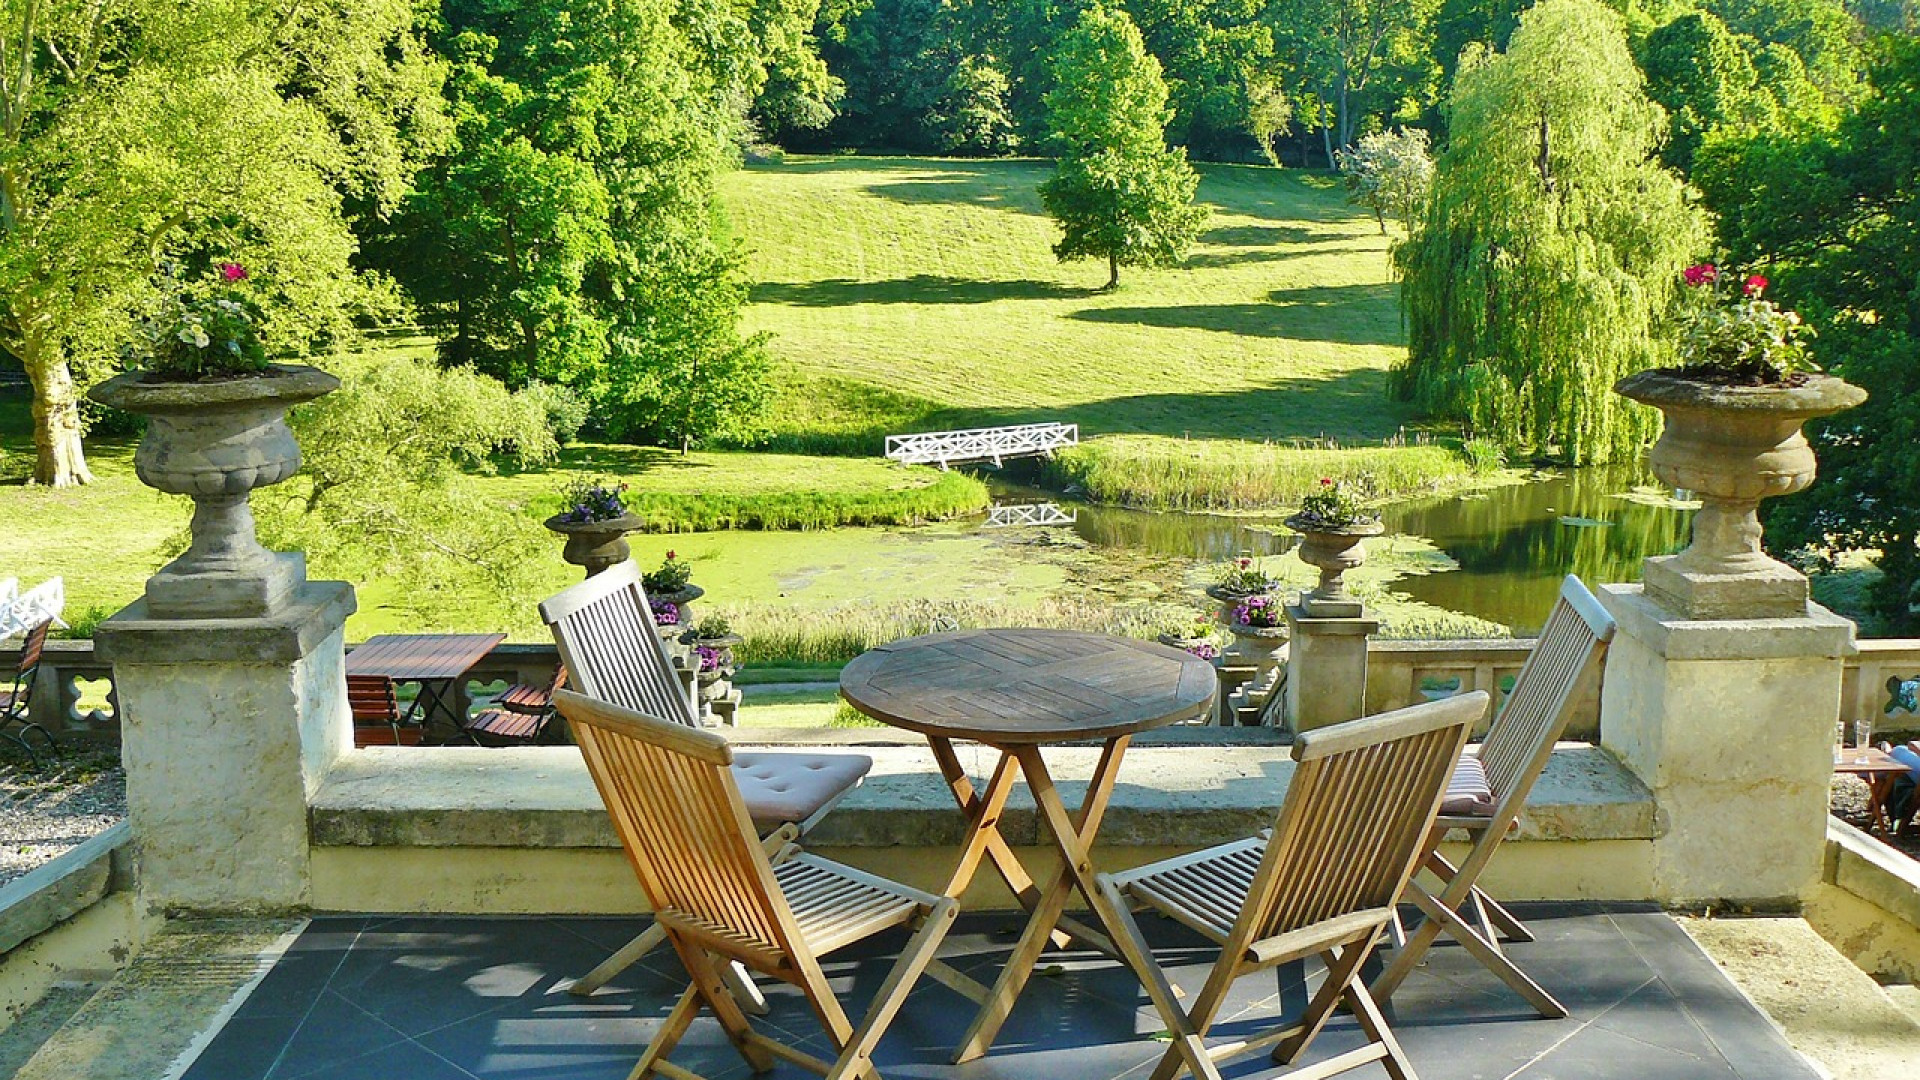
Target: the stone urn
(1333, 550)
(682, 599)
(1233, 598)
(1732, 446)
(1257, 647)
(215, 441)
(1202, 647)
(595, 545)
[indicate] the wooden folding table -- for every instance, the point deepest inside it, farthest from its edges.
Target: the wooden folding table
(1017, 691)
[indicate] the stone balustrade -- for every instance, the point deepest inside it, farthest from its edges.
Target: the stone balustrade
(74, 694)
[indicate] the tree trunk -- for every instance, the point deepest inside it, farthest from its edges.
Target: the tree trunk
(59, 460)
(1113, 271)
(1326, 140)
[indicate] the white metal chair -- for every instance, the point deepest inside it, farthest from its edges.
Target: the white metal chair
(1323, 882)
(715, 893)
(1570, 652)
(611, 651)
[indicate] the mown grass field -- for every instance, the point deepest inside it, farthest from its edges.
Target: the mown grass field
(912, 294)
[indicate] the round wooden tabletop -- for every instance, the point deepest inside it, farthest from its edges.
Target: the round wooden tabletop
(1028, 686)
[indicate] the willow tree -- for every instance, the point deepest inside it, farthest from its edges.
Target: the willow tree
(1551, 246)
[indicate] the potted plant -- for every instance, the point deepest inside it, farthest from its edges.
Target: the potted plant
(1733, 411)
(1259, 628)
(216, 410)
(714, 632)
(1238, 579)
(673, 582)
(711, 644)
(595, 522)
(1195, 635)
(1332, 527)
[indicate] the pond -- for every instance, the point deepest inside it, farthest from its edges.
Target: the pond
(1512, 544)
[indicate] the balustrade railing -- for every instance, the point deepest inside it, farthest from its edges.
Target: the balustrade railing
(73, 692)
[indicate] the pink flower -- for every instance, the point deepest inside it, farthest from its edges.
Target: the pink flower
(669, 555)
(1703, 274)
(1326, 481)
(1756, 285)
(1244, 563)
(233, 272)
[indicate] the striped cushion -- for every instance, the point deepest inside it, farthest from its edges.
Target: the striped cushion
(1468, 793)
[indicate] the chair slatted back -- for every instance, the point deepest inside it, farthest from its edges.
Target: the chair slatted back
(1571, 647)
(1356, 814)
(370, 699)
(609, 646)
(680, 817)
(30, 652)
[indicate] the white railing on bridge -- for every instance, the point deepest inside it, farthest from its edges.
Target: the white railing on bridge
(1011, 514)
(945, 448)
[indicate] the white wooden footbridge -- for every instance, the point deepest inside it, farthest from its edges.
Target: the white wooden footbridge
(944, 448)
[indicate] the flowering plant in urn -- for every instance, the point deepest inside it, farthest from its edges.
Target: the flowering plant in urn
(1733, 411)
(216, 407)
(595, 520)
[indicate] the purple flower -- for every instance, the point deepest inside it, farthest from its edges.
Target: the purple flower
(709, 658)
(665, 612)
(1205, 650)
(1257, 611)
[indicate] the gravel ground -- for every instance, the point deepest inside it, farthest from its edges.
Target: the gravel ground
(47, 810)
(1850, 806)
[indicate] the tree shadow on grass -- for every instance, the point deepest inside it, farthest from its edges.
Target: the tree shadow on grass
(918, 289)
(1343, 314)
(1256, 235)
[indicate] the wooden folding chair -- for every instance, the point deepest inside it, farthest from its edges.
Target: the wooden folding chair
(716, 894)
(14, 702)
(377, 720)
(1571, 651)
(1323, 882)
(612, 651)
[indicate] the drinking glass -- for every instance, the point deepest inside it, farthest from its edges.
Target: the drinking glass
(1862, 739)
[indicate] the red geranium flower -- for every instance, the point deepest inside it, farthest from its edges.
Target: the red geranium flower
(1756, 285)
(1703, 274)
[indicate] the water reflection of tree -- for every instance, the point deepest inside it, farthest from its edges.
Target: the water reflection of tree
(1179, 535)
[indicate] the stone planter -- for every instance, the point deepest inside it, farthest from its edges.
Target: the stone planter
(682, 599)
(1332, 551)
(215, 442)
(595, 545)
(1257, 646)
(723, 645)
(1732, 446)
(1189, 644)
(1232, 598)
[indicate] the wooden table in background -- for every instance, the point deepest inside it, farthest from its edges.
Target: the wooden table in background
(1879, 770)
(1017, 691)
(435, 661)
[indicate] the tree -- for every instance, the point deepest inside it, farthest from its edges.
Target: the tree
(1552, 244)
(385, 486)
(1697, 70)
(1117, 192)
(1343, 47)
(1834, 216)
(572, 235)
(1390, 173)
(190, 130)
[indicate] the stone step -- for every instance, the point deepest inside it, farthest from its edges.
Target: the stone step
(158, 1012)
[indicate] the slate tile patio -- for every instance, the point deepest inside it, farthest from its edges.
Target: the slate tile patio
(445, 998)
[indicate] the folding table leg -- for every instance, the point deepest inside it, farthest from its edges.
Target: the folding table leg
(1073, 839)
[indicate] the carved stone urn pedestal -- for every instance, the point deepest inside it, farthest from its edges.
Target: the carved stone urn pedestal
(215, 442)
(1732, 446)
(595, 545)
(1333, 551)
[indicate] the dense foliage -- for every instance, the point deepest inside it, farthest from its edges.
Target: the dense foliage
(1836, 215)
(1118, 192)
(569, 234)
(192, 132)
(1553, 243)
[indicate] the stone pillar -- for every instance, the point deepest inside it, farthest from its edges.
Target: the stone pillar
(227, 726)
(1730, 723)
(1326, 668)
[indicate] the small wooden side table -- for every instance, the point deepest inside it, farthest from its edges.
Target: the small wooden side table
(1017, 691)
(1879, 769)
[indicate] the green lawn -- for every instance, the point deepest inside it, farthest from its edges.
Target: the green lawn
(911, 293)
